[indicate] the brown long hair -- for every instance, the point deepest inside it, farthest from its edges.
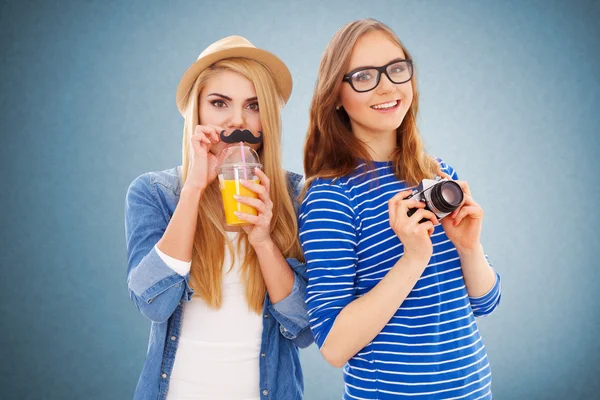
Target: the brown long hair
(210, 238)
(331, 150)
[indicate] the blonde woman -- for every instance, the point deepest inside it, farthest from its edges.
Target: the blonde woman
(226, 304)
(391, 297)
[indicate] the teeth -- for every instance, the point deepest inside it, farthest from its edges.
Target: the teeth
(385, 105)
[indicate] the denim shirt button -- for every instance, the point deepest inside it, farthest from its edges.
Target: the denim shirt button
(285, 330)
(164, 375)
(173, 338)
(265, 392)
(263, 355)
(266, 315)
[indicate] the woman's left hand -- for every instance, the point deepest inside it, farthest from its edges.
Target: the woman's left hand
(463, 226)
(259, 228)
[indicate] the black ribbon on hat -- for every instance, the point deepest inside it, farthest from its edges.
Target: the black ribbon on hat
(241, 135)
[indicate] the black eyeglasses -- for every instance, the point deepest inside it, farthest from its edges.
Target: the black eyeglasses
(367, 78)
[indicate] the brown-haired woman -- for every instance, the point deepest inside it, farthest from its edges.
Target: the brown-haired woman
(391, 297)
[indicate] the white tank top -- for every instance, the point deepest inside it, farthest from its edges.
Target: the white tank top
(218, 350)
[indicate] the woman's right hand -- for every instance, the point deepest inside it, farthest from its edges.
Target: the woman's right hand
(202, 165)
(414, 236)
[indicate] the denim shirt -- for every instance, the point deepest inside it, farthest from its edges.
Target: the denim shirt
(160, 294)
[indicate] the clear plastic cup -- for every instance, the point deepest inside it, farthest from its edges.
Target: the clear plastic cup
(239, 163)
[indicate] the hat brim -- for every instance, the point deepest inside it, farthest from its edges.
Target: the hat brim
(280, 72)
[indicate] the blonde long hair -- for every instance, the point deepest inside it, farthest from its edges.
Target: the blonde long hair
(330, 149)
(210, 238)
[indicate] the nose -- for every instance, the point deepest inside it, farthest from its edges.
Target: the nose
(385, 85)
(237, 120)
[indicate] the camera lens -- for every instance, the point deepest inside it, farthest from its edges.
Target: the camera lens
(446, 196)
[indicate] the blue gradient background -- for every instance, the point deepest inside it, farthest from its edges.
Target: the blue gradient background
(509, 93)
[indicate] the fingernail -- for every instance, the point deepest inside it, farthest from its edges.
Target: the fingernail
(235, 196)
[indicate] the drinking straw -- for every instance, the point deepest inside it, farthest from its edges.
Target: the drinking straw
(243, 160)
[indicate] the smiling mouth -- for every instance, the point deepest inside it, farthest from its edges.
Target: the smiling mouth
(386, 106)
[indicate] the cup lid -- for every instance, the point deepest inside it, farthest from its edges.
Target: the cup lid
(239, 155)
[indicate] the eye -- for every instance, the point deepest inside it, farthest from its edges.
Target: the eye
(218, 103)
(253, 106)
(362, 76)
(398, 68)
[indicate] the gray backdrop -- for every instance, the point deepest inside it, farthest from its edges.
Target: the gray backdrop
(509, 93)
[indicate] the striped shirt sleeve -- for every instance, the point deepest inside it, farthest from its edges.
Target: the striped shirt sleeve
(328, 238)
(484, 305)
(447, 168)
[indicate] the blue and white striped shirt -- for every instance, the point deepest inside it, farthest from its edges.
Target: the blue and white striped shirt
(431, 348)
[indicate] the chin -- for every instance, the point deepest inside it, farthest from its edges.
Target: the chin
(391, 123)
(387, 126)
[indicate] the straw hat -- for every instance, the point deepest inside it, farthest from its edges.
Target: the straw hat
(230, 47)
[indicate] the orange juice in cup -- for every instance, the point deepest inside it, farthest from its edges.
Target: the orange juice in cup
(239, 163)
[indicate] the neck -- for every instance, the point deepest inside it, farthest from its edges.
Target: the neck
(380, 145)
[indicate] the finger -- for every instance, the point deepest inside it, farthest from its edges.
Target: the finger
(253, 219)
(474, 211)
(412, 203)
(264, 197)
(428, 227)
(395, 203)
(402, 204)
(465, 187)
(221, 157)
(407, 210)
(214, 138)
(401, 195)
(198, 148)
(421, 213)
(206, 140)
(264, 179)
(209, 132)
(252, 202)
(215, 133)
(200, 136)
(255, 187)
(204, 129)
(467, 201)
(201, 140)
(201, 130)
(195, 141)
(417, 216)
(471, 211)
(444, 175)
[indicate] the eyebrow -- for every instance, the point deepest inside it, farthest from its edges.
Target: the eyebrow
(374, 66)
(229, 98)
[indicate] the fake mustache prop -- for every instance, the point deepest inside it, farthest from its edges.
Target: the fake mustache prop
(239, 135)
